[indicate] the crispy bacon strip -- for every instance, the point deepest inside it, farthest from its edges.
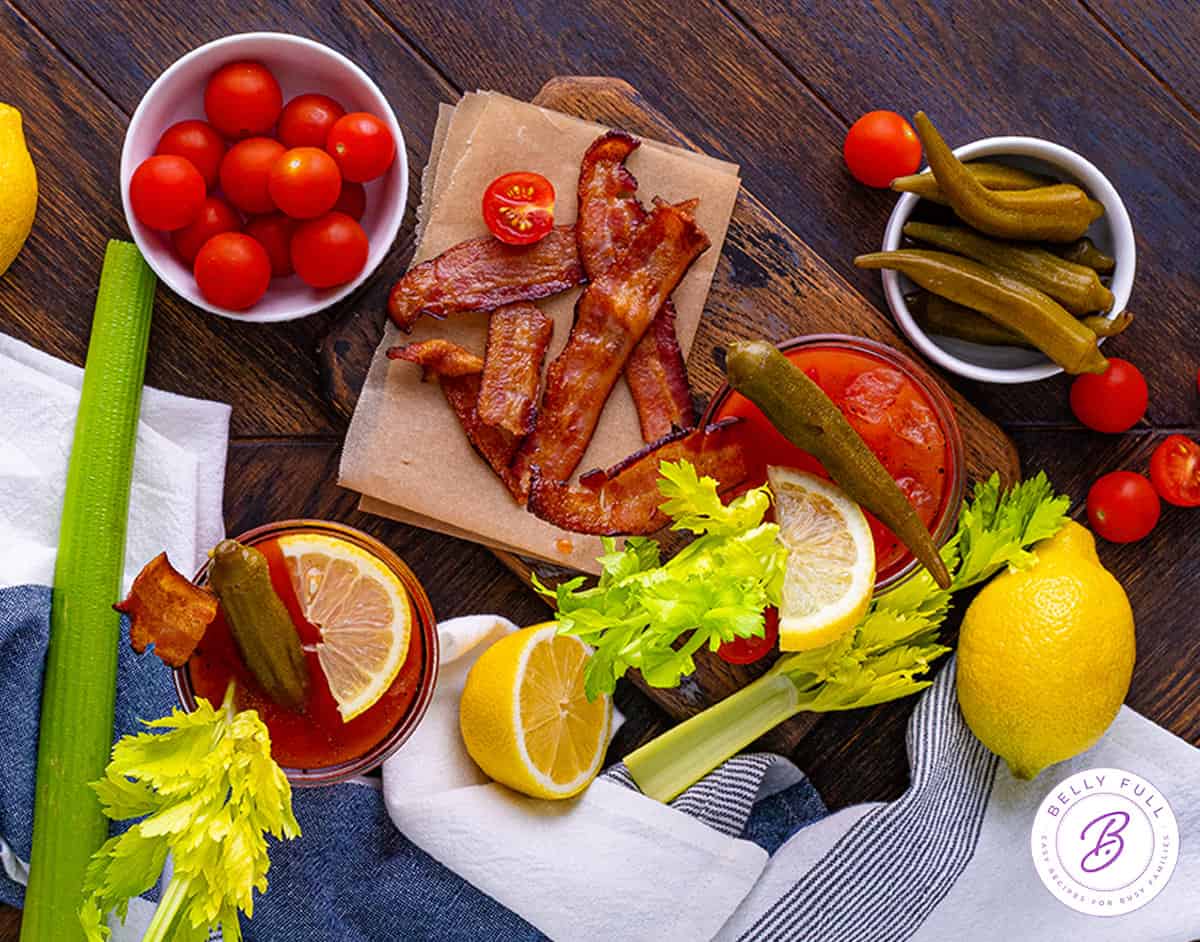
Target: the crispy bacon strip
(518, 335)
(483, 274)
(624, 500)
(610, 318)
(658, 379)
(166, 610)
(459, 372)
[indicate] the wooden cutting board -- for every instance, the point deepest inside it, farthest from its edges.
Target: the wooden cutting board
(768, 283)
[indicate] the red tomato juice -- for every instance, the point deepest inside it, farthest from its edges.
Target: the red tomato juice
(887, 408)
(315, 736)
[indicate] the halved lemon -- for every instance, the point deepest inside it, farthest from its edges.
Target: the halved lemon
(831, 559)
(362, 610)
(524, 716)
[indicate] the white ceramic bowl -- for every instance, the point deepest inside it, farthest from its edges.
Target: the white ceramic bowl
(300, 65)
(1112, 233)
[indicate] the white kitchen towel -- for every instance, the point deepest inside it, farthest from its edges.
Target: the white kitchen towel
(178, 475)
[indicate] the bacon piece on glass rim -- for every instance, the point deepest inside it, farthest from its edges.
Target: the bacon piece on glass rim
(518, 335)
(165, 609)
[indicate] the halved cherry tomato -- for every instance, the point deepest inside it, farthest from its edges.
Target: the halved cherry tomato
(519, 207)
(329, 251)
(362, 145)
(1175, 471)
(216, 216)
(246, 174)
(305, 182)
(195, 141)
(274, 233)
(353, 201)
(1122, 507)
(881, 146)
(166, 192)
(1113, 401)
(749, 650)
(243, 99)
(306, 120)
(232, 271)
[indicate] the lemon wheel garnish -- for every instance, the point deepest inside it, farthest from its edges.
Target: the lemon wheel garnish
(831, 559)
(524, 716)
(362, 610)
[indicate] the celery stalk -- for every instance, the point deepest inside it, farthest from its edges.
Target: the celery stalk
(79, 689)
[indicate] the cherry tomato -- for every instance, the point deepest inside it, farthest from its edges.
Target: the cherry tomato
(232, 271)
(881, 146)
(246, 174)
(216, 216)
(329, 251)
(1122, 507)
(198, 142)
(166, 192)
(306, 120)
(362, 145)
(274, 233)
(1175, 471)
(353, 201)
(1112, 401)
(519, 207)
(305, 182)
(243, 99)
(749, 650)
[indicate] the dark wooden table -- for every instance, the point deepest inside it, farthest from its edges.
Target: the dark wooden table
(769, 84)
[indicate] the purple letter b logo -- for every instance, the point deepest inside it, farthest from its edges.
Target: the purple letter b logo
(1109, 842)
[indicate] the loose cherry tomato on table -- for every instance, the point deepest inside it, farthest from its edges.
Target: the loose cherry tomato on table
(274, 233)
(329, 251)
(304, 182)
(166, 192)
(232, 271)
(1175, 471)
(243, 99)
(519, 207)
(306, 120)
(216, 216)
(362, 145)
(353, 201)
(246, 174)
(197, 142)
(881, 146)
(749, 650)
(1122, 507)
(1113, 401)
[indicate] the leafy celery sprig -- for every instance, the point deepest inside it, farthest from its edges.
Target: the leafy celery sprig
(206, 792)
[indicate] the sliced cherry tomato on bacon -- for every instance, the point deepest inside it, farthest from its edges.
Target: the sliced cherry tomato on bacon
(519, 207)
(1175, 471)
(749, 650)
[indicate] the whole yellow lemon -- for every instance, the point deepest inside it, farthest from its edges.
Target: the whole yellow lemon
(18, 186)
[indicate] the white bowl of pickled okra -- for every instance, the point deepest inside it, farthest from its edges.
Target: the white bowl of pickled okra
(1111, 234)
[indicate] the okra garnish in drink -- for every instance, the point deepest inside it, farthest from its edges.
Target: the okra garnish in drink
(991, 175)
(808, 418)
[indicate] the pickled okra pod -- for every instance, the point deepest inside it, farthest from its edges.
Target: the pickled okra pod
(1061, 212)
(1075, 287)
(260, 624)
(1084, 252)
(1038, 318)
(808, 418)
(991, 175)
(937, 315)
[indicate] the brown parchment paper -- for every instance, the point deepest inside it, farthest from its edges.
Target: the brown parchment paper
(405, 452)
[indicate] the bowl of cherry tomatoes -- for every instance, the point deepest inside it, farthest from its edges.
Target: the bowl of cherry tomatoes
(264, 177)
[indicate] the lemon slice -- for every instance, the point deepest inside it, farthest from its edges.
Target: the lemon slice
(831, 559)
(362, 610)
(524, 716)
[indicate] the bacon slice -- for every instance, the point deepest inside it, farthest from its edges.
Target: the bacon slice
(658, 379)
(165, 609)
(483, 274)
(624, 500)
(518, 335)
(459, 372)
(610, 318)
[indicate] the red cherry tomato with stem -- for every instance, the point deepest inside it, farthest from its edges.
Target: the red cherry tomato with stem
(329, 251)
(353, 200)
(305, 182)
(274, 233)
(362, 145)
(519, 207)
(246, 174)
(749, 650)
(216, 216)
(306, 120)
(881, 146)
(232, 271)
(166, 192)
(1175, 471)
(1122, 507)
(1113, 401)
(198, 142)
(243, 99)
